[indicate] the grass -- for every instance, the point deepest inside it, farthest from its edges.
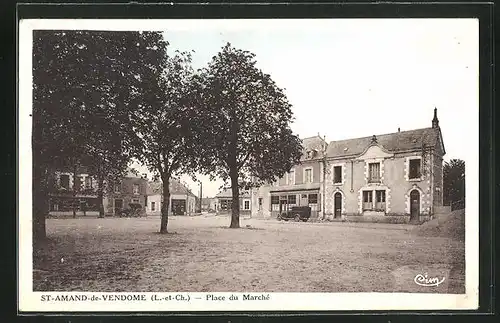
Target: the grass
(201, 254)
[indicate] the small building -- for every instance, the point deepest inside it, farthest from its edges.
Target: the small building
(182, 200)
(224, 200)
(209, 204)
(120, 194)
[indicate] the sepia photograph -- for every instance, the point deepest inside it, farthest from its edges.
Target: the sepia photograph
(187, 164)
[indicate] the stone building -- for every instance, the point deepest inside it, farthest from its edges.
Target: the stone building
(396, 174)
(224, 200)
(182, 200)
(120, 194)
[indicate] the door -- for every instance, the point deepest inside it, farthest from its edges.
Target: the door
(118, 205)
(283, 206)
(338, 204)
(380, 201)
(414, 205)
(367, 200)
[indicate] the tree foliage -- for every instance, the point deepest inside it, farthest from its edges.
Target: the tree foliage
(246, 136)
(454, 183)
(164, 132)
(84, 85)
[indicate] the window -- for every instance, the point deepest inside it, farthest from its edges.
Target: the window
(292, 199)
(291, 177)
(88, 182)
(380, 196)
(367, 197)
(117, 188)
(374, 172)
(260, 203)
(153, 206)
(275, 199)
(247, 205)
(308, 175)
(337, 174)
(313, 199)
(414, 169)
(64, 181)
(136, 189)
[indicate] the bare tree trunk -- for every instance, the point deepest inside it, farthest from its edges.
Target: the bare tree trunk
(74, 190)
(40, 202)
(165, 205)
(100, 195)
(235, 205)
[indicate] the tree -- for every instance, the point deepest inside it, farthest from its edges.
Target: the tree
(165, 135)
(246, 136)
(84, 85)
(454, 183)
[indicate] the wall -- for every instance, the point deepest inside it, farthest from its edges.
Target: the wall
(262, 192)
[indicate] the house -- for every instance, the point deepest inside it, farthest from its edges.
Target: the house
(179, 194)
(69, 190)
(395, 174)
(208, 204)
(120, 194)
(224, 200)
(301, 186)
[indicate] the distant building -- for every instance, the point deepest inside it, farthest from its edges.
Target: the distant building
(224, 201)
(182, 200)
(69, 190)
(120, 194)
(208, 204)
(399, 174)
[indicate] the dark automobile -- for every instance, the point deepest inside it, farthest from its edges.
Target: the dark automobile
(297, 213)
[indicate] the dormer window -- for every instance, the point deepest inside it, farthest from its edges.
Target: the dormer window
(308, 154)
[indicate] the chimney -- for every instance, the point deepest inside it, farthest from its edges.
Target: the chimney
(435, 121)
(399, 129)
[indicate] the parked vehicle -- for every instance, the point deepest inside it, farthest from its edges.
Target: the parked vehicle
(134, 210)
(297, 213)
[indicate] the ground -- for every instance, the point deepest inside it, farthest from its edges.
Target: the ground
(201, 254)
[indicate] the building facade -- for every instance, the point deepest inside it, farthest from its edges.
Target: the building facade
(182, 200)
(70, 191)
(120, 194)
(396, 174)
(224, 200)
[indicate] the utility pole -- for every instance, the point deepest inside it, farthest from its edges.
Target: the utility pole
(324, 177)
(201, 195)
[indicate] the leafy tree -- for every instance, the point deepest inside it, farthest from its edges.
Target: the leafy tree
(454, 183)
(246, 136)
(84, 85)
(165, 134)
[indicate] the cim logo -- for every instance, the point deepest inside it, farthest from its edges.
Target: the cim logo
(426, 281)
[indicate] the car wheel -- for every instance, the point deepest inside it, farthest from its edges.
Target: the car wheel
(297, 218)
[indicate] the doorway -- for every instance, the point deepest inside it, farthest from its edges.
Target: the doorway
(414, 205)
(337, 203)
(118, 206)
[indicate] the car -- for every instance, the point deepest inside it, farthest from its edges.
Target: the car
(297, 213)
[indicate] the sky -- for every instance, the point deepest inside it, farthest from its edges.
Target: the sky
(350, 78)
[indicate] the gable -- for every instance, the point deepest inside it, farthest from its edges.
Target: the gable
(375, 151)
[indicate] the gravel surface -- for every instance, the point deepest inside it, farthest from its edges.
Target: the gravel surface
(201, 254)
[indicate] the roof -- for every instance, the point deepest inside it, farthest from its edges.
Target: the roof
(392, 142)
(228, 193)
(315, 143)
(176, 187)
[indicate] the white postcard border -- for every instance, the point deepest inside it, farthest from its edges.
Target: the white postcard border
(31, 301)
